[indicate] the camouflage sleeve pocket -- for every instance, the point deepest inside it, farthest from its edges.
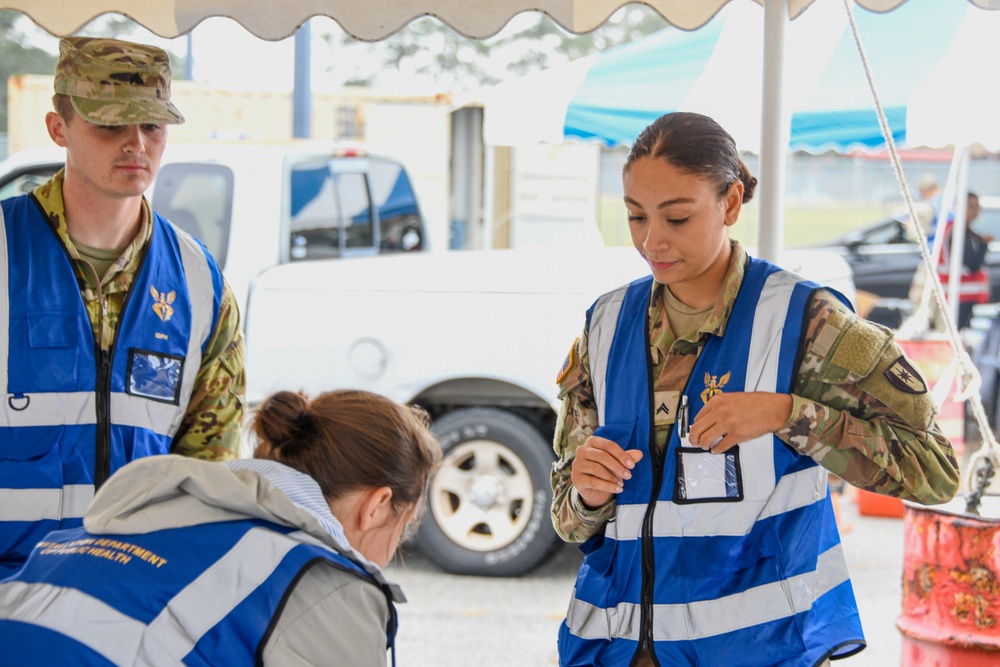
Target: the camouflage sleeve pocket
(865, 354)
(854, 350)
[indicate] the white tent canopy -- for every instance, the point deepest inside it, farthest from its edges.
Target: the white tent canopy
(377, 19)
(930, 60)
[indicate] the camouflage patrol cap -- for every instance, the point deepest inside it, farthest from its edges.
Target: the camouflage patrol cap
(112, 82)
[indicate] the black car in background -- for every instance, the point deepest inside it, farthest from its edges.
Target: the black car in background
(885, 255)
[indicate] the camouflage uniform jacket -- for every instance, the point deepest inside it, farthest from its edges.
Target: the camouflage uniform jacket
(212, 427)
(847, 414)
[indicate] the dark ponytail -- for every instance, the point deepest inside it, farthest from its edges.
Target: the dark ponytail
(347, 440)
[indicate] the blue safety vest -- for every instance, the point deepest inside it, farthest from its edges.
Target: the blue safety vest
(205, 595)
(70, 413)
(711, 559)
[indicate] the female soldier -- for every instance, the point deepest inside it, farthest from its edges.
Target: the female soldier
(274, 560)
(696, 408)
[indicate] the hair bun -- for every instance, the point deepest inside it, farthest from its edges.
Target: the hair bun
(284, 422)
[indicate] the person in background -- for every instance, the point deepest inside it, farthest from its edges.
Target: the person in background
(703, 407)
(120, 339)
(974, 285)
(274, 560)
(930, 194)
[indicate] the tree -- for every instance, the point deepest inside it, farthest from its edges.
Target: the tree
(19, 55)
(27, 49)
(430, 49)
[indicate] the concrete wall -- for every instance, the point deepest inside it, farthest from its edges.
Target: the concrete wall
(212, 113)
(413, 129)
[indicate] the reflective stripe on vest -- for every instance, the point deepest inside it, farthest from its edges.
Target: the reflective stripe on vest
(973, 286)
(793, 491)
(59, 408)
(763, 496)
(175, 631)
(54, 409)
(599, 337)
(708, 618)
(776, 590)
(70, 501)
(201, 292)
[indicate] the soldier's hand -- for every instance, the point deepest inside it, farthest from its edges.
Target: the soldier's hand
(731, 418)
(600, 469)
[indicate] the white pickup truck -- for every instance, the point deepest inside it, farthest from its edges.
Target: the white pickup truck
(255, 206)
(475, 337)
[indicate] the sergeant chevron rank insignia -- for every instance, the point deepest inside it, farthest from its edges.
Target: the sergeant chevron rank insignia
(904, 377)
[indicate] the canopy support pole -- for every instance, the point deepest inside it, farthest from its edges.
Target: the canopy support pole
(775, 134)
(958, 231)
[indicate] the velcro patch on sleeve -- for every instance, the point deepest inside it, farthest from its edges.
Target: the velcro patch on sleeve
(861, 344)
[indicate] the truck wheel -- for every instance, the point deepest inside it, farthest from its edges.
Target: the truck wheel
(488, 505)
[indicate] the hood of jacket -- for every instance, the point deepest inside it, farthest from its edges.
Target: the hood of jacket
(170, 491)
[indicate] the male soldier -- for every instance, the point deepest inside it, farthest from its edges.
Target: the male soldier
(118, 335)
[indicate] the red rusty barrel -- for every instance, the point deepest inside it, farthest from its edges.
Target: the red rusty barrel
(951, 586)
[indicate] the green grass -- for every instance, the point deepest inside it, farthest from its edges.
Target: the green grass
(803, 225)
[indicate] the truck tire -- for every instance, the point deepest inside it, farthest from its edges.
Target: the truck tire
(488, 505)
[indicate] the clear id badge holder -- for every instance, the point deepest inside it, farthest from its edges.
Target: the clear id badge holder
(701, 475)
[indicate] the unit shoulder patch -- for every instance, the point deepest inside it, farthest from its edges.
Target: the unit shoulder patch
(905, 377)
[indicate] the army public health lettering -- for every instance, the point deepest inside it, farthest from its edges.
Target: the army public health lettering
(119, 552)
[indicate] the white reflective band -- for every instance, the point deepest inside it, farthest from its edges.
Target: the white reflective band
(69, 502)
(128, 410)
(708, 618)
(209, 598)
(73, 613)
(48, 408)
(603, 322)
(78, 408)
(795, 490)
(193, 612)
(966, 286)
(765, 337)
(201, 294)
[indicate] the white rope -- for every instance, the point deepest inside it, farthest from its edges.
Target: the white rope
(964, 373)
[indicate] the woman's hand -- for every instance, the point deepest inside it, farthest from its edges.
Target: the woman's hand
(600, 468)
(731, 418)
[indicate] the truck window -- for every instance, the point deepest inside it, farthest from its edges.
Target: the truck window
(23, 182)
(198, 198)
(331, 212)
(315, 218)
(400, 228)
(336, 205)
(352, 191)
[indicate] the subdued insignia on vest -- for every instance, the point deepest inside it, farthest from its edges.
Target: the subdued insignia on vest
(568, 363)
(904, 377)
(714, 385)
(161, 303)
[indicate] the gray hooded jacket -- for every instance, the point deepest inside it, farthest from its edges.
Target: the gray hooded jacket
(331, 616)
